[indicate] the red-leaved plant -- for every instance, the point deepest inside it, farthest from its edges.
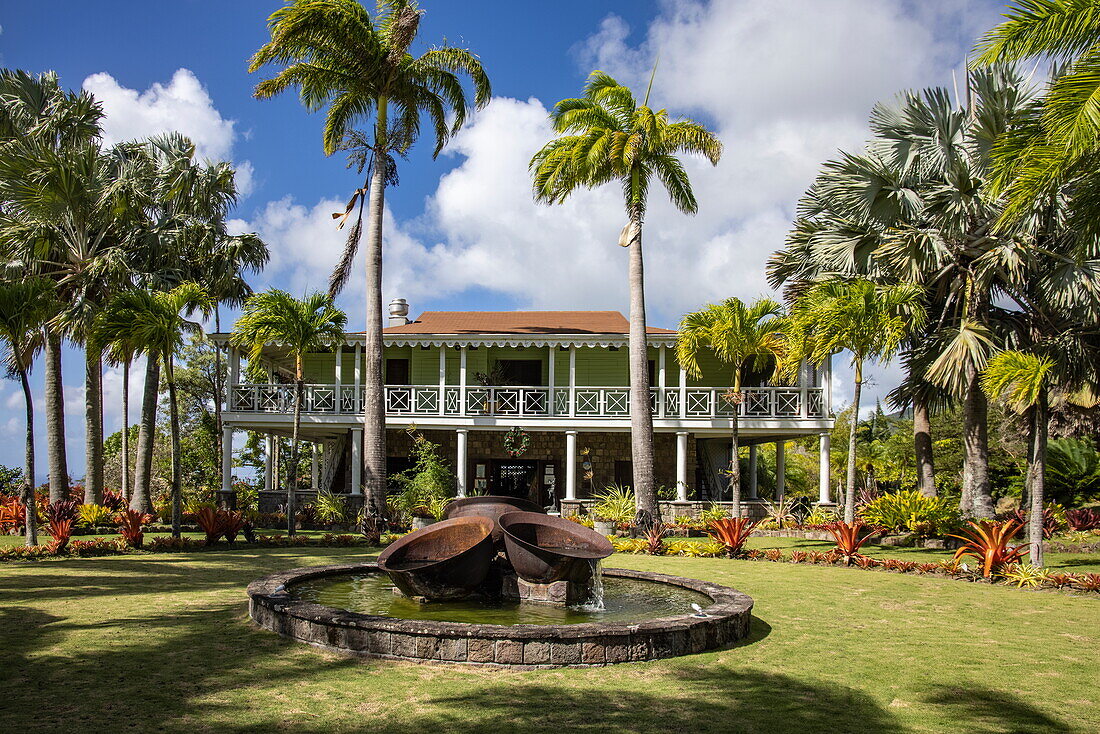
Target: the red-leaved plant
(988, 542)
(211, 522)
(847, 539)
(655, 538)
(60, 530)
(232, 523)
(731, 532)
(1083, 518)
(131, 526)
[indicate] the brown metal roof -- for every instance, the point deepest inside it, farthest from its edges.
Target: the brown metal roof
(519, 322)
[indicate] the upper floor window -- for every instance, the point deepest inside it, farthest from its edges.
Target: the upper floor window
(521, 371)
(397, 372)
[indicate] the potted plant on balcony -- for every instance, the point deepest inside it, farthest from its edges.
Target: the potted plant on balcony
(495, 377)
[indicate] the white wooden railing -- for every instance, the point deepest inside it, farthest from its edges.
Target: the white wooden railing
(535, 401)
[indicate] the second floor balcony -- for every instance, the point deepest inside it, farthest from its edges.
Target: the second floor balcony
(535, 401)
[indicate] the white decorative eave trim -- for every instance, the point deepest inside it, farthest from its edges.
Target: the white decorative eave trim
(496, 340)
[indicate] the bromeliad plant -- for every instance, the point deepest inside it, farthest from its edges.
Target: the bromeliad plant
(988, 542)
(211, 522)
(614, 504)
(848, 540)
(655, 538)
(131, 524)
(94, 515)
(731, 532)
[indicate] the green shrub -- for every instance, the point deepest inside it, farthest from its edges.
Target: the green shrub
(712, 513)
(331, 507)
(614, 504)
(93, 515)
(424, 489)
(1073, 471)
(909, 510)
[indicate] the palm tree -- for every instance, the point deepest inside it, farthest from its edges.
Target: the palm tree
(312, 324)
(740, 335)
(870, 321)
(40, 125)
(360, 68)
(1061, 142)
(25, 307)
(155, 323)
(607, 136)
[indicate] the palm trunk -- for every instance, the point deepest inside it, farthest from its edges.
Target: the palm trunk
(977, 500)
(141, 500)
(55, 420)
(30, 513)
(292, 472)
(850, 480)
(374, 409)
(922, 447)
(735, 462)
(1036, 479)
(641, 409)
(174, 427)
(126, 492)
(93, 425)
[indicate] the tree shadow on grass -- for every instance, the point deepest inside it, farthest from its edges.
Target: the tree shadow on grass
(988, 710)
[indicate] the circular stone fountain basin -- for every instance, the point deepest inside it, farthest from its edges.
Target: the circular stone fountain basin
(344, 608)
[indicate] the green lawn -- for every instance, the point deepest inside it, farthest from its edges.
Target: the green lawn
(161, 642)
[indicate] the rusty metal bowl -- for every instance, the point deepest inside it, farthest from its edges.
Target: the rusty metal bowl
(544, 549)
(446, 560)
(492, 507)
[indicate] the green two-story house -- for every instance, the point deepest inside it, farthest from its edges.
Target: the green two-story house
(465, 378)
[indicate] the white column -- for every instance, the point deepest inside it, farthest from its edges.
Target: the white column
(338, 375)
(570, 465)
(227, 459)
(827, 385)
(573, 383)
(661, 381)
(269, 465)
(462, 380)
(460, 462)
(823, 483)
(442, 378)
(681, 465)
(314, 468)
(780, 469)
(805, 373)
(357, 375)
(234, 376)
(752, 472)
(357, 461)
(683, 392)
(550, 378)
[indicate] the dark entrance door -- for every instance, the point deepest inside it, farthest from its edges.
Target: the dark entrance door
(514, 477)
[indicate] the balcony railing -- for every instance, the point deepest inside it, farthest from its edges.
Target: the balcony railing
(540, 402)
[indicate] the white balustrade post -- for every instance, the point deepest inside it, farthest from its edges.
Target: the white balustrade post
(780, 469)
(551, 377)
(823, 482)
(462, 380)
(442, 377)
(573, 382)
(357, 461)
(752, 472)
(338, 374)
(357, 374)
(805, 371)
(570, 465)
(460, 461)
(661, 381)
(683, 392)
(681, 466)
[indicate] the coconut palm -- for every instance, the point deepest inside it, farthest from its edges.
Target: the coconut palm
(25, 307)
(870, 321)
(337, 56)
(741, 335)
(155, 323)
(603, 137)
(40, 123)
(299, 326)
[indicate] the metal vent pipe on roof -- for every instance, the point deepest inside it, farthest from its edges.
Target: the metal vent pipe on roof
(399, 312)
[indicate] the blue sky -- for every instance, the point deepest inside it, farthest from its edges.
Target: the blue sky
(783, 83)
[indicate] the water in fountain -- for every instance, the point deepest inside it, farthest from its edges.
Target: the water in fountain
(595, 593)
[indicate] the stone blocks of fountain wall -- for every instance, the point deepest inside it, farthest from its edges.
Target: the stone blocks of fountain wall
(727, 620)
(562, 593)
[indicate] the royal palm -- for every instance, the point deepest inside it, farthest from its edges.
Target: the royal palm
(742, 336)
(605, 137)
(361, 71)
(300, 326)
